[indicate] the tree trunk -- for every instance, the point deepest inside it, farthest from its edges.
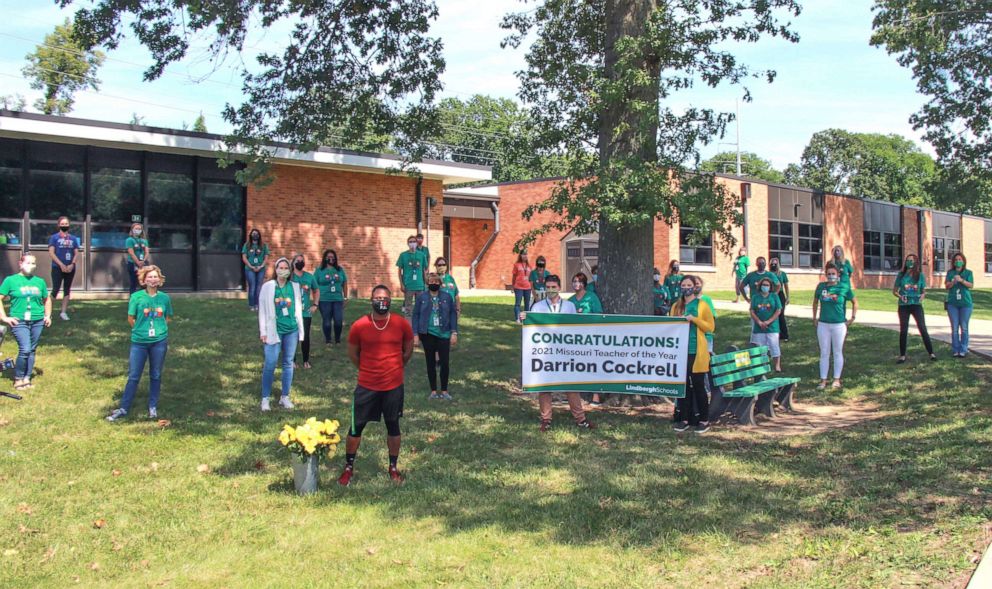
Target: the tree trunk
(626, 252)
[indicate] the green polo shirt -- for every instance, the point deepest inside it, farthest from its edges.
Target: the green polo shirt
(588, 304)
(27, 296)
(959, 295)
(413, 266)
(139, 245)
(331, 283)
(910, 288)
(255, 253)
(150, 313)
(741, 264)
(448, 285)
(833, 301)
(673, 282)
(751, 280)
(307, 285)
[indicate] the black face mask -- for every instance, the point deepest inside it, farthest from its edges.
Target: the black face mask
(761, 266)
(254, 237)
(64, 228)
(299, 264)
(774, 267)
(675, 269)
(330, 261)
(380, 307)
(433, 287)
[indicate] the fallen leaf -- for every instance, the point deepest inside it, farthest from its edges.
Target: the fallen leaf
(4, 422)
(24, 508)
(116, 472)
(164, 423)
(154, 466)
(371, 550)
(398, 562)
(99, 524)
(48, 555)
(95, 566)
(203, 469)
(145, 563)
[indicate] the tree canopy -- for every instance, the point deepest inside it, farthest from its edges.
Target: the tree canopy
(60, 67)
(752, 165)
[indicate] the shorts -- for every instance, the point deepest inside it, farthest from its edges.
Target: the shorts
(375, 405)
(769, 340)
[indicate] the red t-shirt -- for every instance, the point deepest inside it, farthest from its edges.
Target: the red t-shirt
(380, 358)
(521, 276)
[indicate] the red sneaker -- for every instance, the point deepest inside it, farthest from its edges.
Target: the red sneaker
(394, 474)
(345, 479)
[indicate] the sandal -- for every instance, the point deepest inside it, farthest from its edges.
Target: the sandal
(307, 365)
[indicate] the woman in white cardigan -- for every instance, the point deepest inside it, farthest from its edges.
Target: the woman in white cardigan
(280, 326)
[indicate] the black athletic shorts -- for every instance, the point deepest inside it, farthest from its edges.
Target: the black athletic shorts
(375, 405)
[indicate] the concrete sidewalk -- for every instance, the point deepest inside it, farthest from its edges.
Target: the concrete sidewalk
(939, 326)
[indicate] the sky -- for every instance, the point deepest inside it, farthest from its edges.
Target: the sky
(832, 78)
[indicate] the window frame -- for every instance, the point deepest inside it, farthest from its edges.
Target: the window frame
(706, 246)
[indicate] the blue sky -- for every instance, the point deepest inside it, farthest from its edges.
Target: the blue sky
(831, 78)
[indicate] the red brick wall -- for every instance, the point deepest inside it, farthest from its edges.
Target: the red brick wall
(365, 217)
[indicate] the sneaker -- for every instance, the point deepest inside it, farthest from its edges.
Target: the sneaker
(116, 414)
(345, 479)
(680, 426)
(64, 316)
(545, 425)
(822, 385)
(901, 360)
(395, 475)
(285, 403)
(265, 404)
(701, 428)
(595, 403)
(434, 396)
(446, 397)
(933, 357)
(586, 424)
(152, 413)
(836, 384)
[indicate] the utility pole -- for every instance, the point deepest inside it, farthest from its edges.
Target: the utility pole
(737, 104)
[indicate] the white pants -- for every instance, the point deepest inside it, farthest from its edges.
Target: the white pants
(770, 341)
(831, 337)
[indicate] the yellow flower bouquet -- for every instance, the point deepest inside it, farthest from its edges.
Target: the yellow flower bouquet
(310, 441)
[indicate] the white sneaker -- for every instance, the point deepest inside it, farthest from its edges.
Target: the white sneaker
(152, 413)
(285, 403)
(265, 405)
(64, 316)
(116, 414)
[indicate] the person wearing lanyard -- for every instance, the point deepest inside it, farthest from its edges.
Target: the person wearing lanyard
(30, 312)
(843, 266)
(280, 327)
(149, 312)
(692, 410)
(783, 296)
(521, 284)
(310, 297)
(137, 253)
(555, 304)
(765, 309)
(829, 319)
(537, 277)
(659, 294)
(741, 264)
(435, 324)
(672, 281)
(959, 282)
(253, 255)
(751, 280)
(62, 248)
(332, 281)
(448, 284)
(411, 267)
(910, 289)
(424, 251)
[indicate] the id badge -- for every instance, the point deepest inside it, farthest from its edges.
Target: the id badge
(151, 331)
(27, 314)
(959, 295)
(437, 321)
(285, 311)
(413, 277)
(68, 256)
(334, 289)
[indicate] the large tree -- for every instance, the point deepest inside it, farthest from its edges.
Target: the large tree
(947, 44)
(752, 165)
(871, 165)
(60, 67)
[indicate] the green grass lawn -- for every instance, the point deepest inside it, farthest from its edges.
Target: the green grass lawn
(875, 299)
(489, 501)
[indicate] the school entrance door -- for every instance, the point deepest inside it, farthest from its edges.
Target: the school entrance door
(580, 253)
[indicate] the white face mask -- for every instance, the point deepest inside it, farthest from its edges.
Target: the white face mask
(657, 277)
(136, 232)
(576, 285)
(412, 245)
(153, 281)
(282, 272)
(28, 267)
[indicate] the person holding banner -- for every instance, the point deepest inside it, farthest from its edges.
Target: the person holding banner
(435, 324)
(555, 304)
(692, 410)
(765, 310)
(659, 293)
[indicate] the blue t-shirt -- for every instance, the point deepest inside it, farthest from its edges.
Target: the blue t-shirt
(65, 247)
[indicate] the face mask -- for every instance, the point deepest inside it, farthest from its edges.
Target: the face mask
(433, 287)
(765, 289)
(28, 267)
(380, 307)
(442, 269)
(959, 264)
(657, 277)
(412, 245)
(553, 291)
(254, 237)
(136, 232)
(831, 278)
(761, 266)
(330, 260)
(774, 266)
(282, 272)
(595, 277)
(675, 269)
(540, 266)
(299, 264)
(64, 228)
(910, 263)
(697, 289)
(576, 286)
(688, 291)
(838, 254)
(152, 281)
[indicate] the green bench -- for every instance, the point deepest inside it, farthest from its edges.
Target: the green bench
(741, 384)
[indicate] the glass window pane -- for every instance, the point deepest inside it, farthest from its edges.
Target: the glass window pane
(704, 255)
(170, 198)
(115, 194)
(221, 215)
(170, 238)
(10, 179)
(108, 236)
(786, 258)
(41, 231)
(687, 255)
(55, 191)
(10, 232)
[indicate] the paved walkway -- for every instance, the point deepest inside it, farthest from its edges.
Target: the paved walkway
(939, 326)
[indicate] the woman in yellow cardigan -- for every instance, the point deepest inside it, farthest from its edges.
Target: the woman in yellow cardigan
(693, 409)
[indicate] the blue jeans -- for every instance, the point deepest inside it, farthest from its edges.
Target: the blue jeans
(331, 310)
(959, 328)
(27, 334)
(520, 293)
(132, 274)
(155, 355)
(254, 280)
(286, 344)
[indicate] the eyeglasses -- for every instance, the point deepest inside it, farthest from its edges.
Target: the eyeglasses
(380, 298)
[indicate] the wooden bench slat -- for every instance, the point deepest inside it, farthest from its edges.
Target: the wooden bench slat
(740, 375)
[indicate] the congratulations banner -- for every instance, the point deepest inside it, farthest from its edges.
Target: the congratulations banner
(633, 354)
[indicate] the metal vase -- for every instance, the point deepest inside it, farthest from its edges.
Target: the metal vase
(305, 474)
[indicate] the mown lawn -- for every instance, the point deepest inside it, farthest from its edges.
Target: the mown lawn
(489, 501)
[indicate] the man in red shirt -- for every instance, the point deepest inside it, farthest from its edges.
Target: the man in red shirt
(379, 345)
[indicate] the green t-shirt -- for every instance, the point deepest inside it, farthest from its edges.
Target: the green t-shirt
(909, 288)
(434, 323)
(150, 313)
(741, 264)
(833, 301)
(692, 309)
(783, 278)
(413, 266)
(589, 303)
(660, 295)
(140, 246)
(331, 283)
(751, 280)
(706, 299)
(285, 309)
(426, 253)
(845, 270)
(307, 285)
(537, 279)
(591, 287)
(764, 307)
(673, 283)
(448, 285)
(255, 253)
(959, 295)
(27, 296)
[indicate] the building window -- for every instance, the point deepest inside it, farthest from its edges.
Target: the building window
(810, 245)
(795, 227)
(115, 196)
(170, 205)
(780, 244)
(988, 258)
(221, 212)
(695, 253)
(944, 249)
(883, 251)
(11, 206)
(55, 187)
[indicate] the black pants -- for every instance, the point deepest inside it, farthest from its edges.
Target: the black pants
(695, 405)
(783, 327)
(436, 349)
(63, 280)
(307, 321)
(917, 312)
